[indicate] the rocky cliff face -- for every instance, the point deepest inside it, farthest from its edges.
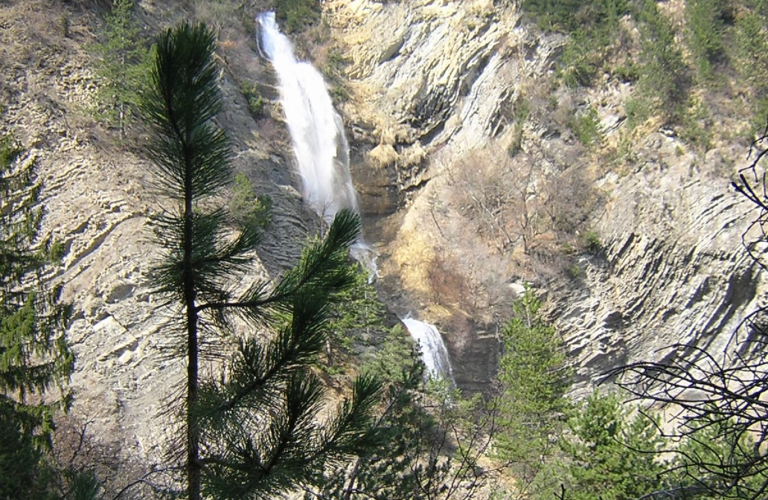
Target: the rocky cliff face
(98, 197)
(431, 83)
(674, 269)
(433, 80)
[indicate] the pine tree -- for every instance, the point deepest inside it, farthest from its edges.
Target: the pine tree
(534, 380)
(253, 432)
(33, 354)
(664, 77)
(610, 455)
(122, 62)
(705, 25)
(433, 439)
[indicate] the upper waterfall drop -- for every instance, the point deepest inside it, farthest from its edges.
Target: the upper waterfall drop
(317, 130)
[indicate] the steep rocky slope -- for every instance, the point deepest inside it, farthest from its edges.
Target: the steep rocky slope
(431, 80)
(430, 83)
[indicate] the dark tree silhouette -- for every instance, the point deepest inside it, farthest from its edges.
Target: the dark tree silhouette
(34, 357)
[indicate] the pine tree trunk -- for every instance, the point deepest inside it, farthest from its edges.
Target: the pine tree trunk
(193, 431)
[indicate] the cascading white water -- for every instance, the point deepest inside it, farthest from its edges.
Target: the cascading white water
(322, 154)
(433, 350)
(317, 131)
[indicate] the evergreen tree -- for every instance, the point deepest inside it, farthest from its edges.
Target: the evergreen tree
(359, 319)
(752, 58)
(665, 79)
(711, 455)
(534, 380)
(33, 354)
(122, 62)
(246, 207)
(611, 456)
(433, 439)
(254, 431)
(705, 24)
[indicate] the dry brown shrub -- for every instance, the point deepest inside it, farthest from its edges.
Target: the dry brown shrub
(448, 286)
(501, 195)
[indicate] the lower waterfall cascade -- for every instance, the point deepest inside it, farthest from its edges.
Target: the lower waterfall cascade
(322, 156)
(434, 354)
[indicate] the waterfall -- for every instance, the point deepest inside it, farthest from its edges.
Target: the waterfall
(433, 350)
(317, 131)
(322, 155)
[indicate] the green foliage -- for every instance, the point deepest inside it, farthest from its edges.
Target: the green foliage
(359, 315)
(395, 359)
(705, 38)
(246, 208)
(432, 437)
(85, 486)
(297, 14)
(582, 59)
(10, 150)
(534, 380)
(34, 357)
(665, 79)
(553, 15)
(591, 242)
(586, 127)
(339, 94)
(593, 28)
(56, 251)
(751, 43)
(253, 98)
(714, 451)
(638, 111)
(696, 125)
(23, 465)
(610, 455)
(121, 67)
(335, 63)
(253, 433)
(627, 72)
(522, 110)
(574, 271)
